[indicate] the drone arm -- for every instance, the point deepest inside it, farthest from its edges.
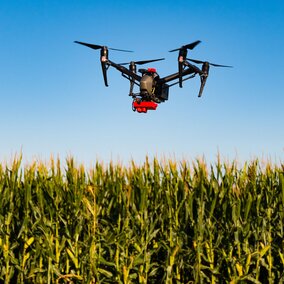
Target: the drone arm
(175, 83)
(125, 71)
(193, 67)
(177, 75)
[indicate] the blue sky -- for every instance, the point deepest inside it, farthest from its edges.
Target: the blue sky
(53, 100)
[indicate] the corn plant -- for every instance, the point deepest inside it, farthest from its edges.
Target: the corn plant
(159, 222)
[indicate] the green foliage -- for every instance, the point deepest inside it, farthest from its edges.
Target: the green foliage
(156, 223)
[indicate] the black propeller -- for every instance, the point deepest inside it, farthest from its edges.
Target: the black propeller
(187, 46)
(141, 62)
(205, 71)
(95, 46)
(182, 56)
(104, 56)
(212, 64)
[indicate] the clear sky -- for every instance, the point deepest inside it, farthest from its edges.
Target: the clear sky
(53, 100)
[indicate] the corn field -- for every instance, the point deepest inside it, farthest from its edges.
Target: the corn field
(159, 222)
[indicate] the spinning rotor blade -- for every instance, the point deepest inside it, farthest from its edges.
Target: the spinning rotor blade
(212, 64)
(142, 61)
(95, 46)
(187, 46)
(123, 50)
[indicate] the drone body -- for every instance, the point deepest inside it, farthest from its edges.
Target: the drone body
(153, 89)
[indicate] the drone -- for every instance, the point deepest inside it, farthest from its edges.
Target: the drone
(153, 89)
